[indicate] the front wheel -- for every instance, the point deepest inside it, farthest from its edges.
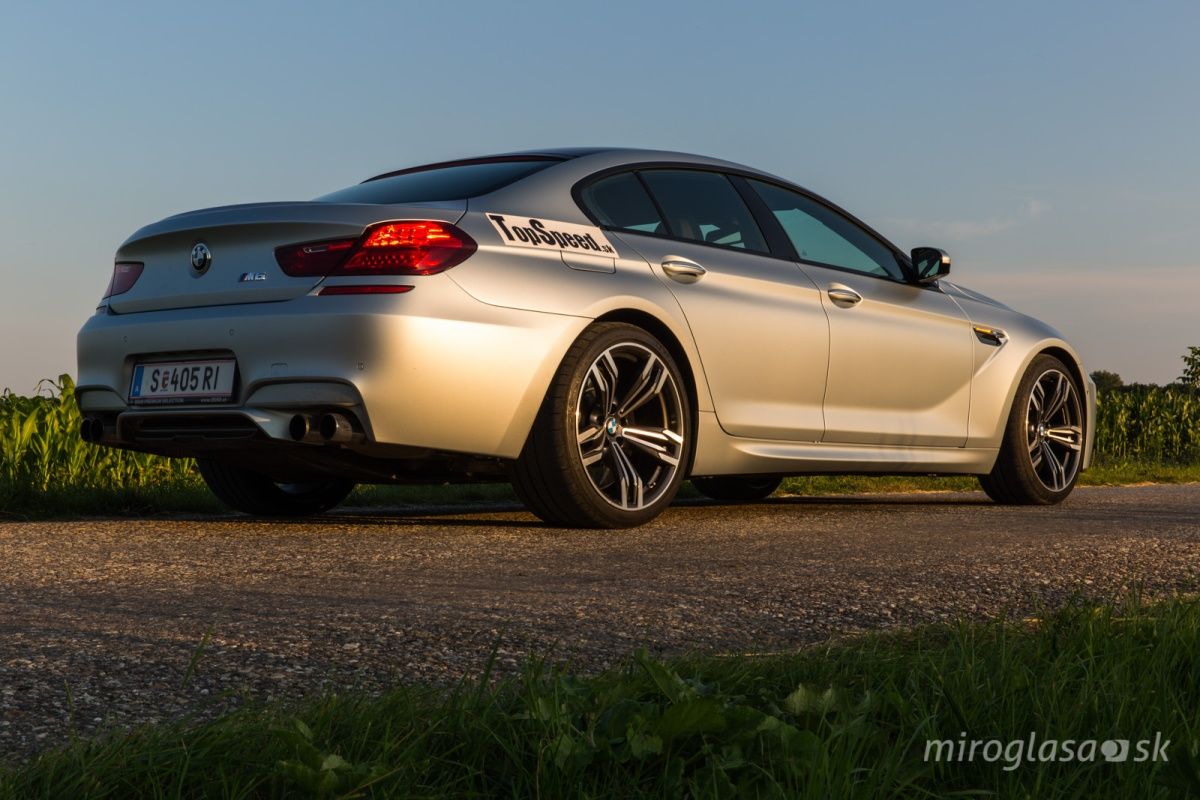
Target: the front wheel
(257, 495)
(613, 438)
(1042, 449)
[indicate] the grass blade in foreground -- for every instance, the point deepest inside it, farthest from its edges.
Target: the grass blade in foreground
(849, 720)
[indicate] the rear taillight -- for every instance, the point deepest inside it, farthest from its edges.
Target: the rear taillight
(391, 248)
(409, 248)
(124, 276)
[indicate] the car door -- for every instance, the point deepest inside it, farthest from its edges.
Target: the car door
(900, 354)
(757, 319)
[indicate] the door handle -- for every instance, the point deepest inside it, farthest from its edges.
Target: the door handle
(683, 269)
(843, 296)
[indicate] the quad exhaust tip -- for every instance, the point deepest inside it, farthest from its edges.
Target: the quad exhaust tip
(332, 427)
(336, 428)
(300, 427)
(91, 429)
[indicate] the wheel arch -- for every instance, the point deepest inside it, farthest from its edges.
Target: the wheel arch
(1064, 353)
(1068, 358)
(683, 351)
(1075, 365)
(661, 331)
(664, 334)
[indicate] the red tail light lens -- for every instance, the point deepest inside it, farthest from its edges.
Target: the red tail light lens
(124, 276)
(391, 248)
(415, 248)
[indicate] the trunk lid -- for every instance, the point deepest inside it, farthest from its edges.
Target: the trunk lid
(241, 241)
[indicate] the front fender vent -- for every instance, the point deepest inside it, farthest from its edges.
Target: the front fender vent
(993, 336)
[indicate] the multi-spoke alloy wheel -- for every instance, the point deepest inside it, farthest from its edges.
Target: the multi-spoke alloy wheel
(629, 426)
(1054, 430)
(613, 438)
(1042, 450)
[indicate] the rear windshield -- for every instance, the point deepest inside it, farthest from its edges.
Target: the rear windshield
(439, 183)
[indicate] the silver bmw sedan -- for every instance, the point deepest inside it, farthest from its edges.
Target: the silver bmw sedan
(593, 325)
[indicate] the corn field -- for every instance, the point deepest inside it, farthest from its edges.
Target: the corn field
(41, 452)
(42, 456)
(1149, 424)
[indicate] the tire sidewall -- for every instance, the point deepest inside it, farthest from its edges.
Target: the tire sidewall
(577, 367)
(1015, 443)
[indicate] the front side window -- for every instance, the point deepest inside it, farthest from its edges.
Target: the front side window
(456, 182)
(823, 236)
(621, 202)
(704, 207)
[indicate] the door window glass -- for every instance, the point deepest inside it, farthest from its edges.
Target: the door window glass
(704, 207)
(621, 202)
(823, 236)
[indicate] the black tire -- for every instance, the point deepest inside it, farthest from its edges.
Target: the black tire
(737, 488)
(551, 476)
(1023, 473)
(257, 495)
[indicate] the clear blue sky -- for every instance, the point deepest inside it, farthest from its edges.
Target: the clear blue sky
(1052, 148)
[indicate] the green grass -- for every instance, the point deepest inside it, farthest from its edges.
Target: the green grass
(1145, 434)
(849, 719)
(192, 497)
(1101, 475)
(45, 468)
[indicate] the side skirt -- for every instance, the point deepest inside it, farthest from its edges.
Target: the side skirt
(718, 453)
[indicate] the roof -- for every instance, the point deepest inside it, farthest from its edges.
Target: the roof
(617, 154)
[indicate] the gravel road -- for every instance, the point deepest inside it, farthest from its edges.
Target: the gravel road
(118, 622)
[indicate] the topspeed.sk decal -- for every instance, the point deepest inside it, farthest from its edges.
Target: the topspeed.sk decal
(547, 234)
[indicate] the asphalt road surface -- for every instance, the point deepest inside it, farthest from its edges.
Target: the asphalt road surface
(117, 622)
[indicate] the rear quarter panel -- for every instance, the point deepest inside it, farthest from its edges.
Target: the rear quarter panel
(541, 280)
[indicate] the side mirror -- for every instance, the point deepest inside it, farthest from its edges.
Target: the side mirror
(930, 264)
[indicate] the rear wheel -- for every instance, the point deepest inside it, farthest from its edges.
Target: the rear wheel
(256, 494)
(1042, 449)
(737, 488)
(613, 438)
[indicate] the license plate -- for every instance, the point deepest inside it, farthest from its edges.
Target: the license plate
(183, 381)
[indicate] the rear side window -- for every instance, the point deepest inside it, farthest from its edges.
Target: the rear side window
(439, 183)
(621, 202)
(704, 207)
(823, 236)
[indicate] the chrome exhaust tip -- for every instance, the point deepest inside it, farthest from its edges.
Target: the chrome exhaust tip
(91, 430)
(299, 427)
(336, 428)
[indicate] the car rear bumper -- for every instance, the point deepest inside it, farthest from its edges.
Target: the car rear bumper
(433, 368)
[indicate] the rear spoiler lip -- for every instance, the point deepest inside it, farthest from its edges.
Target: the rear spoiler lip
(299, 213)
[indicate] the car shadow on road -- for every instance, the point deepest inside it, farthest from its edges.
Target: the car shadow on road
(897, 499)
(470, 514)
(499, 515)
